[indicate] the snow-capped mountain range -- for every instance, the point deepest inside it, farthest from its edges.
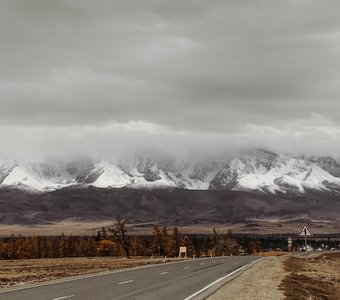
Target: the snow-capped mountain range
(256, 170)
(270, 172)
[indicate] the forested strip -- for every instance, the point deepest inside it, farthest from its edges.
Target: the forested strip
(106, 243)
(110, 241)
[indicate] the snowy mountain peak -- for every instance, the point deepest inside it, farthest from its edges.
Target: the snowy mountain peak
(137, 173)
(256, 170)
(32, 175)
(327, 163)
(103, 174)
(6, 168)
(193, 175)
(269, 172)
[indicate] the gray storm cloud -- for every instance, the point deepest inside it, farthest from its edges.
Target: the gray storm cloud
(104, 77)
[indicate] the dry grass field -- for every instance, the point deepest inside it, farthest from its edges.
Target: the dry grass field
(320, 281)
(30, 271)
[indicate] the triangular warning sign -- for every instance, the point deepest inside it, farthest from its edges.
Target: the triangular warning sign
(305, 231)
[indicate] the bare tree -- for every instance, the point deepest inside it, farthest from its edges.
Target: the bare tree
(119, 232)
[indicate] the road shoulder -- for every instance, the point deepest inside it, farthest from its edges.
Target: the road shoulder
(260, 282)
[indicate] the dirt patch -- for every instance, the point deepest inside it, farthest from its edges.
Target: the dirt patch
(24, 272)
(321, 280)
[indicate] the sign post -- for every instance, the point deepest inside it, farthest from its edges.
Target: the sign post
(305, 231)
(289, 244)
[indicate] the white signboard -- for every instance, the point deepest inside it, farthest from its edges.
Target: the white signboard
(182, 250)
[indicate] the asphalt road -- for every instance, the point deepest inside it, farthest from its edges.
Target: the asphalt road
(171, 281)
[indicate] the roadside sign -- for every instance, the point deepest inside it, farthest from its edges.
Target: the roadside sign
(182, 250)
(305, 231)
(290, 244)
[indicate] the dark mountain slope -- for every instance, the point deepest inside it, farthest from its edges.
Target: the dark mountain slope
(172, 206)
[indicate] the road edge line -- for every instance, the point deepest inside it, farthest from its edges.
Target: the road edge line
(215, 282)
(206, 288)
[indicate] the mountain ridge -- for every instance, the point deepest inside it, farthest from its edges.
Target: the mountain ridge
(168, 206)
(257, 170)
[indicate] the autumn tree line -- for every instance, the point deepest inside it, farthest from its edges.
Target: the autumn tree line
(115, 241)
(163, 242)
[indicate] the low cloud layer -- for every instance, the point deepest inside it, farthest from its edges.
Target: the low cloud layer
(105, 77)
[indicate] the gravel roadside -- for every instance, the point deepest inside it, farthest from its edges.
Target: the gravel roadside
(260, 282)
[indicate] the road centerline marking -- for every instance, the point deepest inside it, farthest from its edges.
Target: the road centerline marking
(163, 273)
(124, 282)
(63, 297)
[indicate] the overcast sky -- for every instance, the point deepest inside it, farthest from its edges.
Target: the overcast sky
(177, 77)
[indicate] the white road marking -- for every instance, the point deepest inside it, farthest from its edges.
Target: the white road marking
(63, 297)
(213, 283)
(163, 273)
(186, 268)
(124, 282)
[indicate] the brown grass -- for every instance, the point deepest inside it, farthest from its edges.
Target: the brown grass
(23, 272)
(320, 281)
(272, 253)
